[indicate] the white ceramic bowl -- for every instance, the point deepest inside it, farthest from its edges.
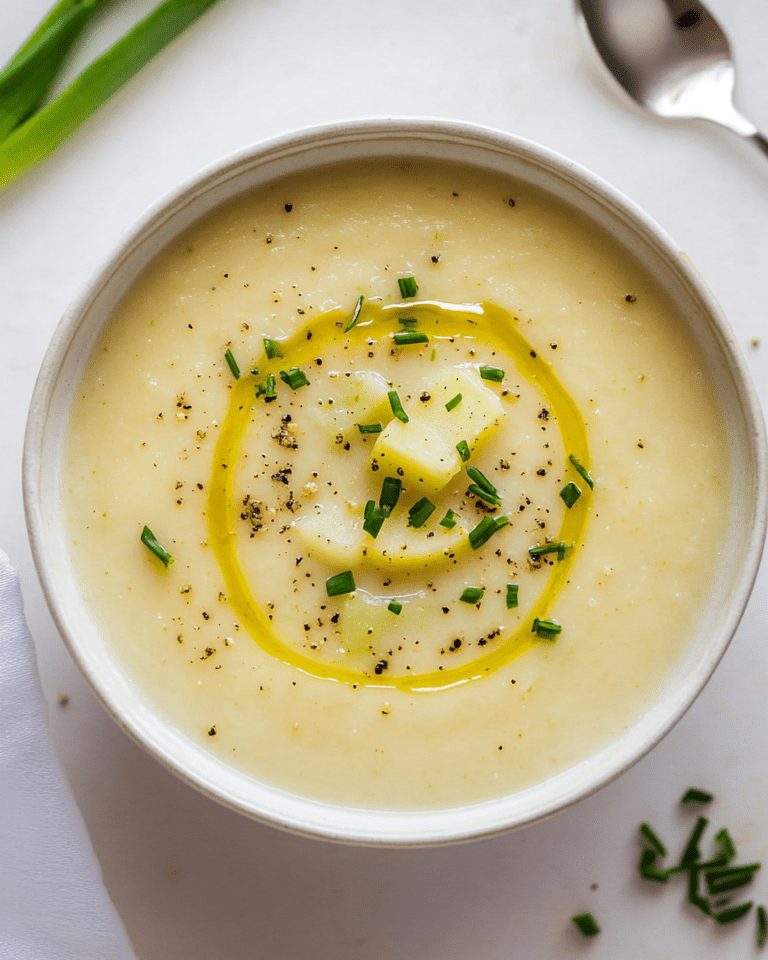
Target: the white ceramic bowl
(451, 141)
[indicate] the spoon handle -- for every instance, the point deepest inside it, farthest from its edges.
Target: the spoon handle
(761, 141)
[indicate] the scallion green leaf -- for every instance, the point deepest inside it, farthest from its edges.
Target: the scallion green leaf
(472, 594)
(495, 374)
(586, 924)
(374, 519)
(513, 590)
(408, 287)
(408, 337)
(582, 472)
(454, 402)
(570, 494)
(295, 378)
(150, 541)
(390, 493)
(397, 407)
(340, 583)
(546, 628)
(483, 532)
(272, 348)
(481, 480)
(355, 315)
(483, 494)
(463, 449)
(232, 363)
(420, 512)
(44, 131)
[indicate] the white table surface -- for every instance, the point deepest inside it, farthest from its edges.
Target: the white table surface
(192, 880)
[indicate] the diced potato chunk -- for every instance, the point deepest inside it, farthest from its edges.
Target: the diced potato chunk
(402, 549)
(479, 411)
(332, 533)
(417, 453)
(361, 397)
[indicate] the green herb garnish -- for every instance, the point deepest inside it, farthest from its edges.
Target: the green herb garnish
(340, 583)
(463, 448)
(355, 315)
(390, 493)
(295, 378)
(582, 472)
(420, 512)
(472, 595)
(513, 590)
(483, 532)
(586, 924)
(408, 322)
(232, 364)
(409, 337)
(481, 480)
(42, 132)
(558, 548)
(570, 494)
(408, 287)
(483, 494)
(397, 407)
(453, 403)
(272, 348)
(150, 541)
(449, 520)
(374, 518)
(694, 795)
(496, 374)
(395, 607)
(269, 390)
(546, 628)
(369, 427)
(762, 926)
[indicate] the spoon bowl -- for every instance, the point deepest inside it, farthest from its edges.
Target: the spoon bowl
(671, 56)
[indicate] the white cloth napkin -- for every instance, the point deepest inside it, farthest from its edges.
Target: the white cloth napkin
(53, 904)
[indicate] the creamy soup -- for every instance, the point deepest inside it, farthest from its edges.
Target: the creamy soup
(396, 484)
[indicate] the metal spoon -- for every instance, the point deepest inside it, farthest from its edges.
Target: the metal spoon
(671, 56)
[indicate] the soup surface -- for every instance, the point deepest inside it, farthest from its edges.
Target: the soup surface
(430, 543)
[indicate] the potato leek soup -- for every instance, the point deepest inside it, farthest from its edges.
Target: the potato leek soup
(396, 484)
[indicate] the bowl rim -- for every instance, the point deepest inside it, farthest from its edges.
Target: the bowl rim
(377, 827)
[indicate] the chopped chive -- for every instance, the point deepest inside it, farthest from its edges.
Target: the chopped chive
(410, 336)
(558, 548)
(463, 448)
(582, 472)
(726, 845)
(483, 532)
(408, 322)
(269, 392)
(513, 589)
(340, 583)
(355, 315)
(478, 491)
(149, 540)
(729, 878)
(397, 407)
(648, 870)
(472, 595)
(762, 926)
(694, 795)
(691, 853)
(586, 924)
(420, 512)
(496, 374)
(733, 913)
(295, 378)
(374, 518)
(694, 897)
(546, 629)
(649, 835)
(481, 480)
(390, 493)
(408, 287)
(369, 427)
(232, 364)
(453, 403)
(272, 348)
(570, 494)
(395, 607)
(449, 520)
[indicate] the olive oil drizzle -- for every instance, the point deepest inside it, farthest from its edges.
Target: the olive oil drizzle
(485, 322)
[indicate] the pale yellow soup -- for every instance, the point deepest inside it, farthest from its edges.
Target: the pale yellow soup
(261, 501)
